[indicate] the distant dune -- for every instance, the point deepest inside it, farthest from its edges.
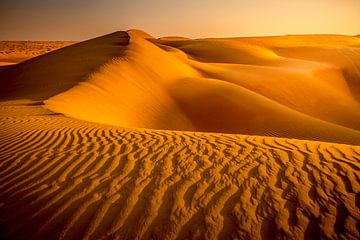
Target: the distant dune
(126, 136)
(173, 38)
(12, 52)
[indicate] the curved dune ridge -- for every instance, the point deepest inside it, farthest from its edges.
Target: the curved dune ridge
(130, 137)
(50, 74)
(280, 86)
(304, 87)
(62, 178)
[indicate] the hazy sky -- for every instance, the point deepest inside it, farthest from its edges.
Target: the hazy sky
(80, 19)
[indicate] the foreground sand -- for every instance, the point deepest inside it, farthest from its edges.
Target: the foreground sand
(103, 171)
(62, 178)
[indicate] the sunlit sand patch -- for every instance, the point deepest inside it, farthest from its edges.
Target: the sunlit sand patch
(130, 137)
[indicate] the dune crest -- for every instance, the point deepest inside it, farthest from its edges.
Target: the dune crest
(136, 86)
(139, 33)
(82, 156)
(46, 75)
(219, 85)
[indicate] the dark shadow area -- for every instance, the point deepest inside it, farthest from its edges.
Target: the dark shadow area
(341, 215)
(268, 229)
(312, 231)
(3, 68)
(47, 75)
(39, 103)
(353, 82)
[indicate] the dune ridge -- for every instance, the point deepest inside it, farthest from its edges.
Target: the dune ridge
(130, 137)
(63, 178)
(251, 89)
(46, 75)
(274, 86)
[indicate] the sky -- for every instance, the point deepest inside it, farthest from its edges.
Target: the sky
(84, 19)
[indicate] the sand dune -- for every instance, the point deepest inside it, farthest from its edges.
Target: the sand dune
(250, 90)
(49, 74)
(12, 52)
(302, 87)
(130, 137)
(62, 178)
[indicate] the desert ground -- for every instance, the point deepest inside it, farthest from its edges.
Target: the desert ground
(12, 52)
(127, 136)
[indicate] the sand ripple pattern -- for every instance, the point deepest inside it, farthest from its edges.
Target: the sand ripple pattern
(87, 181)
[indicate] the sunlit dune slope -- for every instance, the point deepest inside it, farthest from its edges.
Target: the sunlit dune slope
(305, 85)
(241, 85)
(62, 178)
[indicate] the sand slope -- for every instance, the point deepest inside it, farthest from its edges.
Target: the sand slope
(49, 74)
(224, 85)
(62, 178)
(302, 87)
(80, 156)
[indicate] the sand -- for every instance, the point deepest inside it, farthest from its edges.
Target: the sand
(227, 86)
(13, 52)
(130, 137)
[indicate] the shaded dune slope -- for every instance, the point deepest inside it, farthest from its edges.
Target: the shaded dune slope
(175, 84)
(62, 178)
(47, 75)
(12, 52)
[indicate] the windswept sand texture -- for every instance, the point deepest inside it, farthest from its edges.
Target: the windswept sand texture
(119, 165)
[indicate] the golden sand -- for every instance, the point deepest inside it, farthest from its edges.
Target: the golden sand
(172, 138)
(12, 52)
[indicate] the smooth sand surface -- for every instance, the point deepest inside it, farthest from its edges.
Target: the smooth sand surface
(47, 75)
(226, 85)
(106, 139)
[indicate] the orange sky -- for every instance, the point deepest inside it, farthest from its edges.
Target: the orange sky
(79, 20)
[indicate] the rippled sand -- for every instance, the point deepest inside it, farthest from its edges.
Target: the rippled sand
(140, 138)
